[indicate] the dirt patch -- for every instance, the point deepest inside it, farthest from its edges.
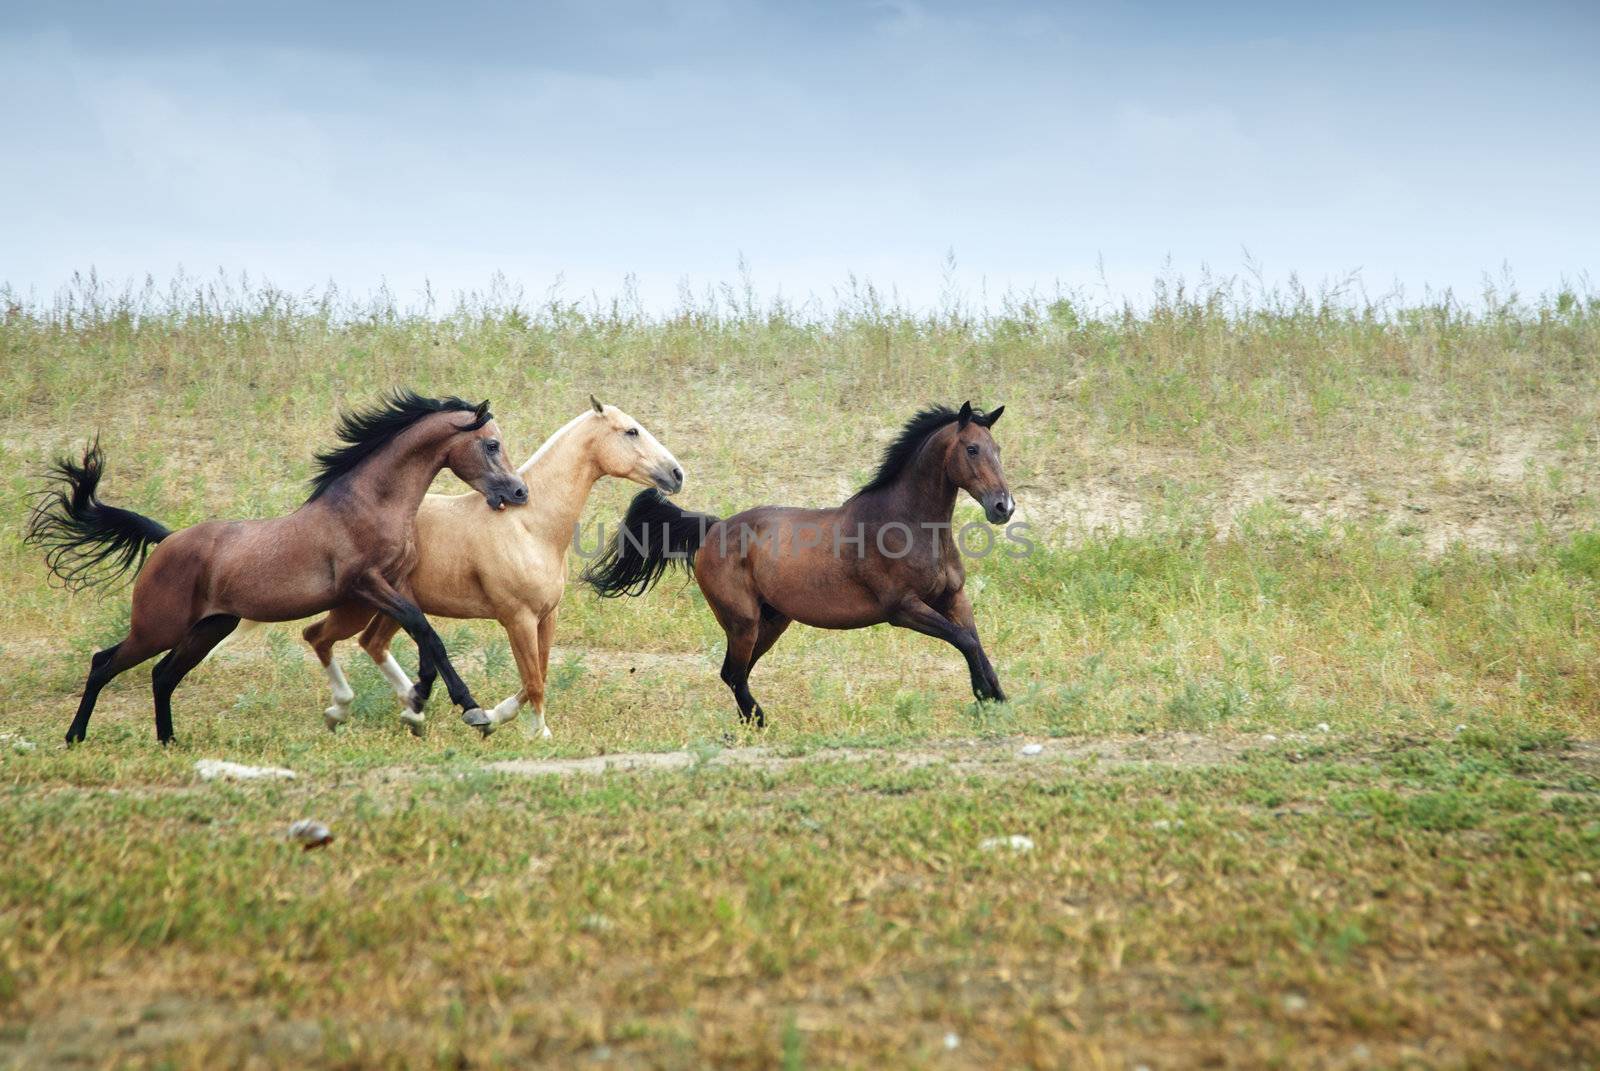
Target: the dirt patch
(1005, 757)
(1495, 495)
(1100, 504)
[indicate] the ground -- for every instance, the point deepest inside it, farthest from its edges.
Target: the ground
(1304, 739)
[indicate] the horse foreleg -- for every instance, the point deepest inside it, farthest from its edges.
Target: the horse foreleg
(375, 641)
(547, 635)
(522, 630)
(387, 599)
(918, 616)
(960, 613)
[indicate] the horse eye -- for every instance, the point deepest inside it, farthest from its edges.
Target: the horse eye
(493, 446)
(972, 449)
(633, 431)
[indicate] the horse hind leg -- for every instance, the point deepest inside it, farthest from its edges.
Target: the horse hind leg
(375, 641)
(732, 596)
(773, 624)
(195, 645)
(736, 672)
(105, 665)
(321, 636)
(746, 645)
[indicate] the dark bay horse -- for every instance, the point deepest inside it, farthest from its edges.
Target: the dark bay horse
(353, 539)
(887, 555)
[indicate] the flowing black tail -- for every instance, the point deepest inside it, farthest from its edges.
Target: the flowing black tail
(654, 535)
(85, 541)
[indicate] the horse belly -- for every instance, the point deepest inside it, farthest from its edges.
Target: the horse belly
(260, 573)
(814, 587)
(475, 576)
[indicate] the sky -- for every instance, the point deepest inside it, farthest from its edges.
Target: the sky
(936, 149)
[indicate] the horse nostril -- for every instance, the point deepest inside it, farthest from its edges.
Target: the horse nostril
(520, 494)
(677, 474)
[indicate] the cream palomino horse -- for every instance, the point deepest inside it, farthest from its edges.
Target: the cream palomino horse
(510, 567)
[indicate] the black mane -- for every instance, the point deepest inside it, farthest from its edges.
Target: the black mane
(365, 432)
(899, 453)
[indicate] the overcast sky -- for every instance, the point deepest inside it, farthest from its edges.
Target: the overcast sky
(362, 143)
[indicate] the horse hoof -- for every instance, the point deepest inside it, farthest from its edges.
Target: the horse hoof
(479, 719)
(545, 733)
(333, 717)
(415, 701)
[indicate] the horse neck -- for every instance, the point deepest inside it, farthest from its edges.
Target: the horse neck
(398, 476)
(922, 492)
(560, 475)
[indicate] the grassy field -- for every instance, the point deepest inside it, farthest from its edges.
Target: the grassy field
(1311, 641)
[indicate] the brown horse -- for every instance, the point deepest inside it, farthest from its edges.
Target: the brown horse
(511, 568)
(353, 539)
(887, 555)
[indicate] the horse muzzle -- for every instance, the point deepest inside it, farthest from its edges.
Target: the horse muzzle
(503, 493)
(669, 479)
(999, 507)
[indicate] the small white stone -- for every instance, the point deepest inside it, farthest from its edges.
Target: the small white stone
(212, 769)
(17, 741)
(1032, 749)
(1294, 1002)
(1016, 842)
(952, 1041)
(1583, 877)
(1269, 738)
(597, 924)
(311, 833)
(1324, 727)
(1461, 728)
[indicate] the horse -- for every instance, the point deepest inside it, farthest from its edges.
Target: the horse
(352, 540)
(510, 569)
(888, 555)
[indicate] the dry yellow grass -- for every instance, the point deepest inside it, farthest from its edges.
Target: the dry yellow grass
(1256, 518)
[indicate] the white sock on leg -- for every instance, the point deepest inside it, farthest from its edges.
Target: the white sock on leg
(343, 696)
(506, 710)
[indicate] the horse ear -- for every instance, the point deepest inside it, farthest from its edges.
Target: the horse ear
(598, 408)
(990, 420)
(965, 416)
(481, 414)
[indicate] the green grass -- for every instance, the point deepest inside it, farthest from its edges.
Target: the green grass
(1257, 515)
(1414, 898)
